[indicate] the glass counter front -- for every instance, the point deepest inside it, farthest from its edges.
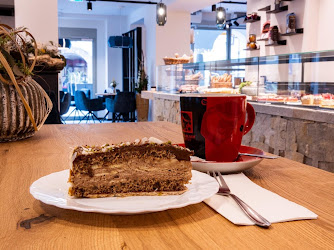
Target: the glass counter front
(301, 79)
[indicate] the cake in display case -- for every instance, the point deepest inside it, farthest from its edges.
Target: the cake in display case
(299, 79)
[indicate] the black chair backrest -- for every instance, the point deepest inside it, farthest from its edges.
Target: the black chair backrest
(65, 103)
(81, 101)
(61, 95)
(87, 92)
(125, 102)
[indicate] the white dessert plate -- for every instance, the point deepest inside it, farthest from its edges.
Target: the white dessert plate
(242, 163)
(52, 190)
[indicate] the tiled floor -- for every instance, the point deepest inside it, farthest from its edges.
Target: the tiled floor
(74, 117)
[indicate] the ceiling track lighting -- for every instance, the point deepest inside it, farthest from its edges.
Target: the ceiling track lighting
(89, 6)
(161, 14)
(220, 17)
(236, 23)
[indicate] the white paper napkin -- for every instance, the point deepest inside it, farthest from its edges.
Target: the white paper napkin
(270, 205)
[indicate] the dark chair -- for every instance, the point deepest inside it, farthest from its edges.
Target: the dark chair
(82, 103)
(65, 103)
(87, 92)
(123, 104)
(54, 116)
(76, 111)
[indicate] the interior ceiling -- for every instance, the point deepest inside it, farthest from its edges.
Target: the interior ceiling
(113, 8)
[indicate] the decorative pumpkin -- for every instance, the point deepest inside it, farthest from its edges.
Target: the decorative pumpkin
(24, 105)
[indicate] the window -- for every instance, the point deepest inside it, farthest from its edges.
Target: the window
(212, 45)
(78, 72)
(238, 43)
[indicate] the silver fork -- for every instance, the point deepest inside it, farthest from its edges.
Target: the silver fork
(250, 212)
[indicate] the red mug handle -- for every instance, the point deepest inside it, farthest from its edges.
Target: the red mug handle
(250, 118)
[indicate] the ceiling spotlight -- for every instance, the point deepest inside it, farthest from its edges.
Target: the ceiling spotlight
(161, 14)
(89, 6)
(220, 17)
(236, 23)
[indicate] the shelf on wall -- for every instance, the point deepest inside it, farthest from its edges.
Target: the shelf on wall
(298, 31)
(262, 39)
(253, 49)
(280, 9)
(252, 20)
(279, 43)
(264, 9)
(268, 10)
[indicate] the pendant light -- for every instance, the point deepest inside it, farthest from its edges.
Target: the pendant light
(161, 14)
(89, 6)
(121, 41)
(220, 17)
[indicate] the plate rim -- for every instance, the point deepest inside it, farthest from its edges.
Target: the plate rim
(39, 196)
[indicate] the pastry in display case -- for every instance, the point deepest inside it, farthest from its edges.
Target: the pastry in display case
(301, 80)
(221, 81)
(191, 83)
(177, 59)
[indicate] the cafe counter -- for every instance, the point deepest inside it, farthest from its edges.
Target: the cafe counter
(301, 134)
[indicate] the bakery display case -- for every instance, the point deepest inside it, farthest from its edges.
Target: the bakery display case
(299, 79)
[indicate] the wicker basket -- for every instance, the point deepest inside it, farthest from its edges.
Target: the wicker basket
(170, 60)
(24, 105)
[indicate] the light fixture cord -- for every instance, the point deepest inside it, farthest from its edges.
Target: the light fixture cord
(120, 23)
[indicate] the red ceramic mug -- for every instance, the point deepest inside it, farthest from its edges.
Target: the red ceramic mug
(213, 125)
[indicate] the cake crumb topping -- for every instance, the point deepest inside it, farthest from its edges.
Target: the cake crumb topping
(87, 150)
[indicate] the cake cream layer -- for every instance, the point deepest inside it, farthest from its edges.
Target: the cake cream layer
(162, 169)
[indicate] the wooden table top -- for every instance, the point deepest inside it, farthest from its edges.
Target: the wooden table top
(29, 223)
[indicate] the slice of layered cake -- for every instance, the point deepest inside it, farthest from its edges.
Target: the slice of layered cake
(143, 167)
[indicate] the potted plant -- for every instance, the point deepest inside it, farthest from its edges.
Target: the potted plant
(23, 102)
(113, 85)
(141, 104)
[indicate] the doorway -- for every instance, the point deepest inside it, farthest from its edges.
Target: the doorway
(80, 70)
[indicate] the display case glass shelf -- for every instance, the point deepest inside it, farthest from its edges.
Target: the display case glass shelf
(305, 79)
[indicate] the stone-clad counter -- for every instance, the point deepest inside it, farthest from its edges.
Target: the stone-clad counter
(301, 134)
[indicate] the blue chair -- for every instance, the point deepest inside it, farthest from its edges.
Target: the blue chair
(76, 111)
(83, 103)
(122, 106)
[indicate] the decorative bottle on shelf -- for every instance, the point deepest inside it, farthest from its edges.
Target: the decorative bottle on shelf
(291, 23)
(277, 4)
(273, 35)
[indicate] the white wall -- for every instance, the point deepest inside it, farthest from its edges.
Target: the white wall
(145, 17)
(315, 16)
(296, 43)
(173, 37)
(40, 17)
(161, 41)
